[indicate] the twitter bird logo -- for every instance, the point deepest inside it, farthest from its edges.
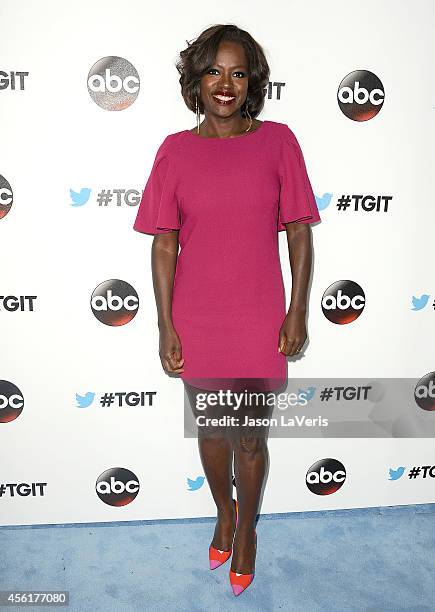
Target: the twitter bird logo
(80, 198)
(194, 485)
(324, 201)
(84, 401)
(308, 393)
(419, 303)
(396, 474)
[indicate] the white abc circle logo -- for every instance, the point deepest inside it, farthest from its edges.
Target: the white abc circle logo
(343, 302)
(6, 197)
(325, 476)
(360, 95)
(11, 401)
(113, 83)
(424, 392)
(117, 486)
(114, 302)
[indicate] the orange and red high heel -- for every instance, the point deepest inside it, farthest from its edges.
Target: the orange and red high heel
(240, 582)
(218, 557)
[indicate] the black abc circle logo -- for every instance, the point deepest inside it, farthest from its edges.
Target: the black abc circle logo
(325, 476)
(113, 83)
(424, 392)
(11, 401)
(114, 302)
(117, 486)
(343, 302)
(360, 95)
(6, 197)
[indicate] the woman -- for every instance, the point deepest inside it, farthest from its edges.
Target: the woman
(223, 191)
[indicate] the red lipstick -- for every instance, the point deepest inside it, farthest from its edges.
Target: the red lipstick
(223, 97)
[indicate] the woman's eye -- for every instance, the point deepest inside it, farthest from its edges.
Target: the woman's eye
(242, 74)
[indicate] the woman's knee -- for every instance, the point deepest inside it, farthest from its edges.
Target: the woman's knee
(212, 439)
(249, 445)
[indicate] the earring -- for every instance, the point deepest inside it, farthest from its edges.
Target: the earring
(198, 118)
(248, 116)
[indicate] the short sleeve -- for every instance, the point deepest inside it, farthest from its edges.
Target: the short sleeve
(158, 208)
(296, 198)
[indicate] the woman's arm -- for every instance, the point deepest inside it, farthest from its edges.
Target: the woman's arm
(164, 254)
(300, 255)
(293, 331)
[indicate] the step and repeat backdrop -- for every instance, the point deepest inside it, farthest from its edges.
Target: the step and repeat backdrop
(91, 427)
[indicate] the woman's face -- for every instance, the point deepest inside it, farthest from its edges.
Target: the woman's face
(228, 75)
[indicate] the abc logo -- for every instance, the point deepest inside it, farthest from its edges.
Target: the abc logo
(114, 302)
(11, 401)
(113, 83)
(325, 477)
(360, 95)
(424, 392)
(5, 197)
(343, 302)
(117, 486)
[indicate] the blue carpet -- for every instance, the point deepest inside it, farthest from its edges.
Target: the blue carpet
(371, 559)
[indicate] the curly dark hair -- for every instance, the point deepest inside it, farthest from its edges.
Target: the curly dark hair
(200, 55)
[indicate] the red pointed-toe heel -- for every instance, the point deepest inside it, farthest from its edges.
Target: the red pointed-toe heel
(240, 582)
(218, 557)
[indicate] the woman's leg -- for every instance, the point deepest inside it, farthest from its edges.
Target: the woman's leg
(217, 458)
(216, 455)
(251, 461)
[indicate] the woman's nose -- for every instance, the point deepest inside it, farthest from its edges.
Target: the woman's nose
(226, 81)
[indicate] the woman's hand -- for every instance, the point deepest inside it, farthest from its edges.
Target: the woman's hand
(170, 351)
(293, 333)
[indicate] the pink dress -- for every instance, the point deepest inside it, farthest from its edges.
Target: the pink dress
(229, 198)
